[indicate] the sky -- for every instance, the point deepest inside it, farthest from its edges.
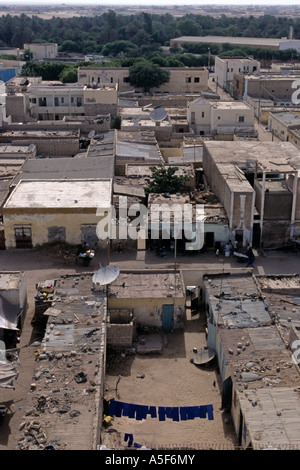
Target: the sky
(153, 2)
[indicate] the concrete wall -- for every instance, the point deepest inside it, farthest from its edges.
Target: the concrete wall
(43, 50)
(148, 311)
(229, 117)
(269, 88)
(41, 221)
(59, 146)
(69, 123)
(234, 193)
(226, 68)
(16, 107)
(182, 80)
(121, 335)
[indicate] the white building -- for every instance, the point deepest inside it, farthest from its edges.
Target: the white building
(226, 67)
(42, 50)
(220, 117)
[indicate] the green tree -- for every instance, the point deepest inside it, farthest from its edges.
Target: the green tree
(147, 75)
(27, 55)
(68, 75)
(164, 180)
(113, 49)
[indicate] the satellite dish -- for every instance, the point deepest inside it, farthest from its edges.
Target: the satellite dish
(106, 275)
(158, 114)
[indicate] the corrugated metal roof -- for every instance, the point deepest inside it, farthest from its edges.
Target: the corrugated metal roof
(68, 380)
(236, 302)
(272, 417)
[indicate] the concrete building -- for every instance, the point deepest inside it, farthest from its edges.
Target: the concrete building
(271, 86)
(182, 213)
(265, 43)
(29, 100)
(101, 100)
(45, 211)
(258, 186)
(42, 50)
(282, 123)
(227, 67)
(53, 100)
(10, 154)
(258, 376)
(54, 142)
(157, 299)
(70, 404)
(136, 148)
(182, 80)
(222, 119)
(66, 169)
(13, 301)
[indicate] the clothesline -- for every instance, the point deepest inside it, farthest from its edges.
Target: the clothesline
(139, 412)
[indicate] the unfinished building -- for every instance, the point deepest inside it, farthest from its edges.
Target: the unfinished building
(258, 185)
(260, 382)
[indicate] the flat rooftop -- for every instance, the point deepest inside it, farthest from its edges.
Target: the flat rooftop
(147, 285)
(278, 157)
(39, 134)
(229, 105)
(66, 397)
(236, 302)
(54, 194)
(287, 117)
(10, 280)
(272, 423)
(67, 168)
(262, 42)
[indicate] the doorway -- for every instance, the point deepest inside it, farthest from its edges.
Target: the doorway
(167, 317)
(23, 237)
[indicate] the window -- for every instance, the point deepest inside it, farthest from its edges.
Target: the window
(202, 114)
(42, 102)
(192, 117)
(33, 100)
(188, 79)
(98, 79)
(112, 80)
(62, 100)
(197, 79)
(241, 118)
(56, 103)
(126, 79)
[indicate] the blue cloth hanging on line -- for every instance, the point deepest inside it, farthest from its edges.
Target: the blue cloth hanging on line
(140, 412)
(210, 412)
(175, 413)
(161, 413)
(152, 411)
(129, 438)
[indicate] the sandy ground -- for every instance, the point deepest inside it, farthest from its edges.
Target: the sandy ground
(170, 379)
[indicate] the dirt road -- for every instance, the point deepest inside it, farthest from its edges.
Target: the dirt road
(170, 379)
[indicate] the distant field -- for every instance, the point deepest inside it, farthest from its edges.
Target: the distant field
(92, 10)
